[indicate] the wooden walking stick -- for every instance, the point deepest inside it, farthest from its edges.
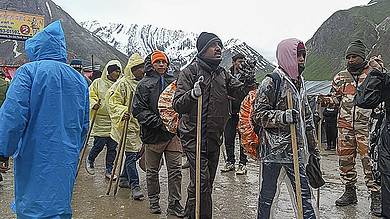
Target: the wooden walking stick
(298, 191)
(84, 148)
(122, 143)
(197, 155)
(121, 154)
(320, 145)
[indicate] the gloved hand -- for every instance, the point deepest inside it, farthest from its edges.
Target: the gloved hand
(290, 116)
(197, 90)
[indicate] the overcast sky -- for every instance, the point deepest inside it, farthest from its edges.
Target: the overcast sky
(260, 23)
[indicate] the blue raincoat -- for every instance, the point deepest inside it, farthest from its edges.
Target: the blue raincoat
(43, 123)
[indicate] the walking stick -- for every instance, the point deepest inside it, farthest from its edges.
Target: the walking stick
(121, 154)
(197, 155)
(84, 148)
(298, 191)
(320, 145)
(122, 143)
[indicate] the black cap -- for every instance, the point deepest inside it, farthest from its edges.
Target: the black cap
(205, 40)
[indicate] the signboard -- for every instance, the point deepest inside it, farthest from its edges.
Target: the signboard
(18, 25)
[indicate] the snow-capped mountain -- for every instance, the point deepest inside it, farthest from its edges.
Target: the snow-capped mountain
(179, 45)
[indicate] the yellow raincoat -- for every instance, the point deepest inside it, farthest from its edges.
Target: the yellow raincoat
(98, 90)
(118, 101)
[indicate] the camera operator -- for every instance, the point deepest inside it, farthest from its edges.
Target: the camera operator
(240, 69)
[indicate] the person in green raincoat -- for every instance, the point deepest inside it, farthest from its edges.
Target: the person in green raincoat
(102, 127)
(120, 97)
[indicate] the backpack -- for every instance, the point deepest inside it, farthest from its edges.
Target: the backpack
(249, 133)
(168, 115)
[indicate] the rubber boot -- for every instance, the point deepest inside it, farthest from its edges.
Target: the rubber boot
(376, 206)
(349, 197)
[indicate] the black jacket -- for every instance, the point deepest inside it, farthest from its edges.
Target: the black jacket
(215, 110)
(144, 107)
(369, 95)
(330, 116)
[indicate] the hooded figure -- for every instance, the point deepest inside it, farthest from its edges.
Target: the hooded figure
(43, 123)
(271, 113)
(117, 105)
(119, 98)
(102, 127)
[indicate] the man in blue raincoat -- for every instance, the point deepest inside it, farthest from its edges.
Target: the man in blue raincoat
(43, 122)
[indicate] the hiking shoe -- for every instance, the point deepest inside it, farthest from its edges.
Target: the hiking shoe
(90, 167)
(228, 167)
(376, 206)
(124, 183)
(241, 170)
(137, 193)
(349, 197)
(186, 165)
(155, 208)
(175, 209)
(108, 176)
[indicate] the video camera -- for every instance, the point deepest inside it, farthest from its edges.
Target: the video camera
(246, 71)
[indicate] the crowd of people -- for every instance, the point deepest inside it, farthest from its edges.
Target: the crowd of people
(49, 106)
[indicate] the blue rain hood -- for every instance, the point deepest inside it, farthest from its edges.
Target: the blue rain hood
(43, 123)
(49, 44)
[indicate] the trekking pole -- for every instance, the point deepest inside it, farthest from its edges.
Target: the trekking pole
(115, 164)
(84, 148)
(320, 145)
(294, 144)
(121, 144)
(121, 154)
(197, 155)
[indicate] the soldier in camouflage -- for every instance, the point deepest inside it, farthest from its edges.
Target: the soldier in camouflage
(353, 126)
(271, 113)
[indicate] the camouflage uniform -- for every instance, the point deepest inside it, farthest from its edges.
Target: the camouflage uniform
(353, 128)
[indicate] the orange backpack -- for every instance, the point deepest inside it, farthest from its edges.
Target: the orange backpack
(249, 139)
(168, 115)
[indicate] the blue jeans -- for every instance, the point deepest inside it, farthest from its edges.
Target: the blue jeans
(130, 172)
(98, 145)
(270, 174)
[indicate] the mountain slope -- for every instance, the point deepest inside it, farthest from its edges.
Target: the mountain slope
(179, 45)
(80, 43)
(327, 46)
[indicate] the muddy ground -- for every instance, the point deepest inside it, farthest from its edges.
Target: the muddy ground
(234, 196)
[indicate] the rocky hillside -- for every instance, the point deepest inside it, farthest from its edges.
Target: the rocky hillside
(326, 48)
(80, 43)
(179, 45)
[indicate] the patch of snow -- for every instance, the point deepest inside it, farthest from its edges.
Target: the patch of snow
(372, 3)
(48, 8)
(15, 49)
